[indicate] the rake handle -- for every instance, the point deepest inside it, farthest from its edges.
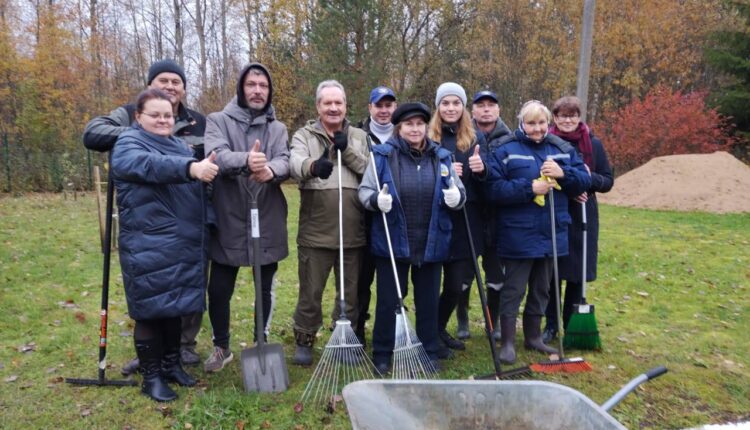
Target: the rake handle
(555, 269)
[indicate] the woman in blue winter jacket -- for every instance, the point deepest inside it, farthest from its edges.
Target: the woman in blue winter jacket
(418, 190)
(163, 238)
(522, 171)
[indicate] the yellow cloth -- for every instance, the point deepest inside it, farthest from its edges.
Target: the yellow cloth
(540, 198)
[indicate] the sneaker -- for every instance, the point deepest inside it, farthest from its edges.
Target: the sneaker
(188, 356)
(131, 368)
(218, 359)
(450, 341)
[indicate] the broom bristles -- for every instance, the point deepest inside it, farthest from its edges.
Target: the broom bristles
(582, 332)
(571, 365)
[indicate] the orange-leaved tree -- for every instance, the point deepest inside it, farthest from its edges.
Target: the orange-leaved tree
(662, 123)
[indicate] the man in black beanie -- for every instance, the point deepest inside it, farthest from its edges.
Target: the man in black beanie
(102, 132)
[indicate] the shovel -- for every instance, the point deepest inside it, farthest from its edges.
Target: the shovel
(263, 366)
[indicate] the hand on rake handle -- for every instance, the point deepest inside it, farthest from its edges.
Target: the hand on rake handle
(385, 200)
(452, 196)
(322, 167)
(339, 141)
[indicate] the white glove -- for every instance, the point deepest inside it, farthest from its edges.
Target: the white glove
(452, 196)
(385, 200)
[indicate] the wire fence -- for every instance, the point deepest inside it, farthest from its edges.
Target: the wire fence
(25, 170)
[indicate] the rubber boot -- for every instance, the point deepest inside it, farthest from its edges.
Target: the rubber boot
(507, 349)
(532, 333)
(303, 354)
(171, 368)
(154, 386)
(493, 303)
(462, 315)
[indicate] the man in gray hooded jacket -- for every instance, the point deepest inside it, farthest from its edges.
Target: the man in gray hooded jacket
(253, 159)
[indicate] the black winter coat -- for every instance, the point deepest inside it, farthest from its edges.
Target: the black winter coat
(602, 181)
(163, 227)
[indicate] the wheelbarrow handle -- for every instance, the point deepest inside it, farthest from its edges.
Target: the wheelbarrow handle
(630, 386)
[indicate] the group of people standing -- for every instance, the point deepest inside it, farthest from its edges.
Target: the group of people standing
(185, 186)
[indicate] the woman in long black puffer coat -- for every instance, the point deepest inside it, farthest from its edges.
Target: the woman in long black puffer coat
(568, 125)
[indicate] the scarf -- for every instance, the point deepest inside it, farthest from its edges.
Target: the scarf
(581, 139)
(382, 132)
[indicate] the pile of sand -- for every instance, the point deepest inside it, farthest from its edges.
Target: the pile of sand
(718, 183)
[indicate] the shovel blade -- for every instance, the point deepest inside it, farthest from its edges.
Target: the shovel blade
(264, 371)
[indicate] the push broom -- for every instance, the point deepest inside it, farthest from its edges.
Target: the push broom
(562, 364)
(582, 331)
(344, 359)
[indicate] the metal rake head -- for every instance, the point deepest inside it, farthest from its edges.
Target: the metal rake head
(343, 361)
(410, 360)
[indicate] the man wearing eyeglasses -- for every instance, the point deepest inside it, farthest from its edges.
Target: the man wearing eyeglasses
(102, 132)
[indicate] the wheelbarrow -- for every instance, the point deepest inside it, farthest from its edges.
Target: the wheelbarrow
(455, 404)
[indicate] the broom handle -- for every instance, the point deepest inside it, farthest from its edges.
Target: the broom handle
(388, 236)
(585, 245)
(554, 268)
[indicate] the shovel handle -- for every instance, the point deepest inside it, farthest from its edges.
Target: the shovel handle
(630, 386)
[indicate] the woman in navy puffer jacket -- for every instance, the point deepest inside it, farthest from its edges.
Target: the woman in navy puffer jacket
(524, 231)
(163, 237)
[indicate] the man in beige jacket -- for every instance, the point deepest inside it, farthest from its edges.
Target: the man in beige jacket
(313, 162)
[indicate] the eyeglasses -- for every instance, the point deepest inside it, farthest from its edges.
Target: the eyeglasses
(568, 117)
(154, 115)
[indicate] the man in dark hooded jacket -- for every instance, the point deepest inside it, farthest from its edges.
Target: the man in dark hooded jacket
(253, 159)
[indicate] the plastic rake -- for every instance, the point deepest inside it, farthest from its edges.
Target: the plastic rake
(344, 359)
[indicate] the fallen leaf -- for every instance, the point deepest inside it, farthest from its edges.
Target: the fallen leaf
(85, 293)
(240, 425)
(265, 425)
(642, 293)
(125, 333)
(26, 385)
(85, 412)
(299, 427)
(299, 407)
(31, 346)
(11, 378)
(51, 370)
(55, 380)
(166, 411)
(188, 426)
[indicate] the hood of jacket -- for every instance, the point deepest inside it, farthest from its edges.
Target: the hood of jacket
(240, 98)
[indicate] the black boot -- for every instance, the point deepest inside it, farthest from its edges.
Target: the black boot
(154, 386)
(462, 315)
(171, 369)
(532, 333)
(507, 349)
(493, 303)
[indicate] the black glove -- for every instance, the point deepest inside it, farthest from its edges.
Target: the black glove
(339, 141)
(322, 167)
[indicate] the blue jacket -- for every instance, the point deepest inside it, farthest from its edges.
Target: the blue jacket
(163, 228)
(387, 156)
(523, 227)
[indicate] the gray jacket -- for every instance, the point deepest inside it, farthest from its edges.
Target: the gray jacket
(232, 133)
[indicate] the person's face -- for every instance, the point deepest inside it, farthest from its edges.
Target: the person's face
(567, 121)
(413, 131)
(485, 111)
(331, 107)
(171, 84)
(535, 127)
(157, 117)
(450, 109)
(382, 111)
(256, 90)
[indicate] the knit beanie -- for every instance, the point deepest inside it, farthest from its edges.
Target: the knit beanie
(163, 66)
(450, 89)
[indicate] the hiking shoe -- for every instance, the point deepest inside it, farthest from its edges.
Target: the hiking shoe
(450, 341)
(218, 359)
(188, 356)
(303, 355)
(131, 368)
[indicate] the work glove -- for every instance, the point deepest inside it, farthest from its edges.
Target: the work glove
(339, 141)
(322, 167)
(539, 199)
(385, 200)
(452, 196)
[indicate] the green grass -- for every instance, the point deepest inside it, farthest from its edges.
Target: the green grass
(672, 290)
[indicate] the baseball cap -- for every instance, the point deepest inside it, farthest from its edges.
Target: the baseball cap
(484, 94)
(378, 93)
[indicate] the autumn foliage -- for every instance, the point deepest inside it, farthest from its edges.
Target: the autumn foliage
(662, 123)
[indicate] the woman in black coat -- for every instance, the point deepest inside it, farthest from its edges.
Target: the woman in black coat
(568, 125)
(163, 238)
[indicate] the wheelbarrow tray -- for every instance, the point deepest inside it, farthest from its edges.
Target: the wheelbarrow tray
(456, 404)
